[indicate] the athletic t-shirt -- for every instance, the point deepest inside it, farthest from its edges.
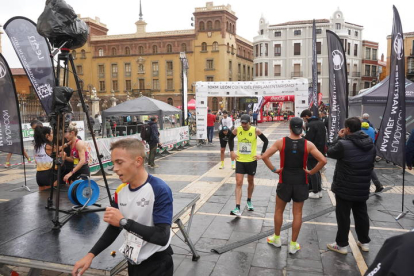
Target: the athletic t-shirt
(293, 159)
(211, 118)
(149, 204)
(43, 161)
(228, 122)
(247, 144)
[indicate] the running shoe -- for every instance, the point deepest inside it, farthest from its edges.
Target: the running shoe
(233, 167)
(235, 212)
(293, 248)
(313, 195)
(364, 246)
(337, 248)
(221, 167)
(250, 206)
(274, 240)
(7, 165)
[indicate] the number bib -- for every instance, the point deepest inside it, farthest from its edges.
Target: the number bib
(75, 161)
(245, 148)
(131, 247)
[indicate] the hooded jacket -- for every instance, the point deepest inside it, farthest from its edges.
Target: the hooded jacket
(316, 133)
(355, 156)
(154, 140)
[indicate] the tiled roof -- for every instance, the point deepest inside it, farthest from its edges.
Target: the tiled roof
(17, 71)
(302, 22)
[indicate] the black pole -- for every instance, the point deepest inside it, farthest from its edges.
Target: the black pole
(403, 182)
(182, 92)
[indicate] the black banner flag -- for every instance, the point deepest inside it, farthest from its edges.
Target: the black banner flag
(338, 85)
(11, 139)
(313, 97)
(34, 54)
(391, 139)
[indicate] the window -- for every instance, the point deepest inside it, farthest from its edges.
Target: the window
(170, 84)
(209, 25)
(79, 69)
(101, 52)
(101, 71)
(296, 49)
(156, 84)
(217, 25)
(169, 68)
(319, 68)
(349, 48)
(256, 69)
(297, 32)
(170, 101)
(113, 51)
(102, 86)
(266, 69)
(140, 50)
(215, 46)
(318, 31)
(367, 53)
(367, 70)
(366, 84)
(209, 78)
(233, 29)
(183, 47)
(215, 103)
(356, 50)
(154, 49)
(261, 32)
(228, 47)
(278, 50)
(276, 70)
(318, 47)
(114, 70)
(248, 72)
(232, 49)
(169, 48)
(338, 26)
(83, 54)
(201, 26)
(74, 54)
(266, 49)
(203, 47)
(374, 71)
(115, 85)
(374, 54)
(278, 33)
(127, 69)
(244, 53)
(209, 64)
(127, 51)
(356, 33)
(141, 84)
(155, 68)
(257, 50)
(349, 32)
(347, 69)
(128, 85)
(261, 69)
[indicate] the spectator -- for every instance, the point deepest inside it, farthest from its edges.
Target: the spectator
(153, 142)
(410, 151)
(211, 118)
(96, 125)
(255, 115)
(324, 119)
(365, 118)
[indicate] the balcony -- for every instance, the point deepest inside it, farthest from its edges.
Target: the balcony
(114, 75)
(278, 54)
(297, 74)
(101, 75)
(169, 72)
(356, 74)
(278, 74)
(155, 73)
(127, 74)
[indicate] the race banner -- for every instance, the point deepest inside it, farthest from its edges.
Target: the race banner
(338, 85)
(28, 132)
(313, 97)
(10, 127)
(390, 143)
(34, 54)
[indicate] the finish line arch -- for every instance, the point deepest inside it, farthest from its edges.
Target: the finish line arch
(297, 87)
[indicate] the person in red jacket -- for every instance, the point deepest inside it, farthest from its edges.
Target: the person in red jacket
(211, 118)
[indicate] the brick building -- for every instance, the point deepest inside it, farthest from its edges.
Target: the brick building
(408, 52)
(371, 72)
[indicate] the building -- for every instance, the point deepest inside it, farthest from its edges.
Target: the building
(284, 51)
(370, 67)
(382, 66)
(21, 81)
(408, 53)
(149, 62)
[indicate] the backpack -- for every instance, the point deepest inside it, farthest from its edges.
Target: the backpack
(146, 132)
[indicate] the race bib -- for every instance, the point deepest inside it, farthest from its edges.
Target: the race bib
(245, 148)
(131, 247)
(75, 161)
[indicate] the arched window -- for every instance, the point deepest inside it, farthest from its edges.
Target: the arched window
(233, 30)
(217, 24)
(74, 54)
(83, 54)
(232, 49)
(113, 51)
(170, 101)
(101, 52)
(228, 47)
(215, 46)
(209, 25)
(201, 26)
(215, 104)
(169, 48)
(227, 26)
(154, 49)
(203, 46)
(127, 51)
(140, 50)
(230, 27)
(183, 47)
(244, 53)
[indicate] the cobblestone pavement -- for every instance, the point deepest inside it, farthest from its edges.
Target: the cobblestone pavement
(196, 170)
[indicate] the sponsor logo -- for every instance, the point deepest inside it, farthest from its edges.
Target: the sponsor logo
(35, 47)
(213, 93)
(3, 70)
(143, 202)
(44, 91)
(122, 204)
(337, 59)
(201, 125)
(200, 119)
(398, 46)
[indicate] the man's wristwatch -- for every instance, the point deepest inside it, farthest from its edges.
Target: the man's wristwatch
(123, 222)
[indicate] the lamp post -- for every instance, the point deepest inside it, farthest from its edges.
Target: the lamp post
(184, 67)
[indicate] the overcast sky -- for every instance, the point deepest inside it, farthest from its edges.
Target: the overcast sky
(165, 15)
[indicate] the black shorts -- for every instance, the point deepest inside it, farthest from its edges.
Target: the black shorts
(44, 178)
(223, 143)
(295, 192)
(246, 167)
(83, 171)
(159, 264)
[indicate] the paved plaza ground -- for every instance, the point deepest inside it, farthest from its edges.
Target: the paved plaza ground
(196, 170)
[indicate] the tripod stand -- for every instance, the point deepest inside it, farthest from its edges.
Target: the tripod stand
(58, 124)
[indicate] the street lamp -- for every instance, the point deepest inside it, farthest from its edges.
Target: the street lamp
(184, 68)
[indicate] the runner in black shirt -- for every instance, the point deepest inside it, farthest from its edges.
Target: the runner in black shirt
(224, 136)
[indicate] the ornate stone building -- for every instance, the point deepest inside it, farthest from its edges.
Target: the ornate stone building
(149, 62)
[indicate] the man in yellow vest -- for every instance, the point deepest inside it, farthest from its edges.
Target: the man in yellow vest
(246, 162)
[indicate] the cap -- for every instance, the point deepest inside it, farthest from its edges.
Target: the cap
(296, 124)
(245, 118)
(225, 128)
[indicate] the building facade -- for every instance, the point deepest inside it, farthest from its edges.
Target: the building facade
(284, 51)
(149, 62)
(370, 67)
(408, 52)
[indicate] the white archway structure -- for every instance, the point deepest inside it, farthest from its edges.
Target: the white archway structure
(297, 87)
